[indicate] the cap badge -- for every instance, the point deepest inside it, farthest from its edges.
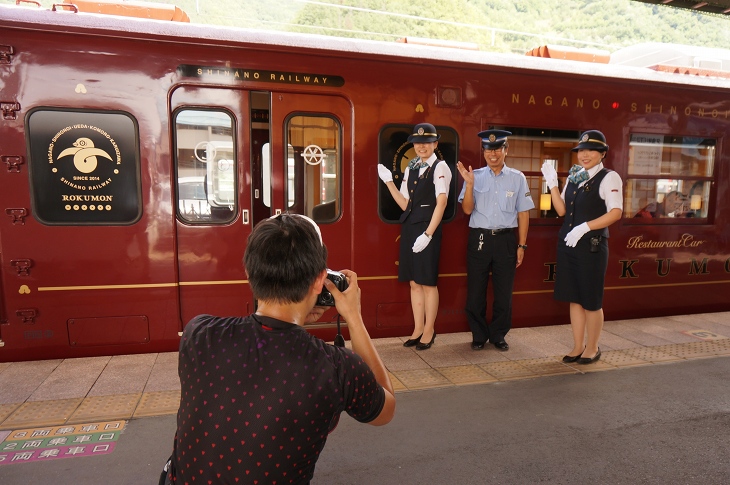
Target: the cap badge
(420, 131)
(492, 138)
(584, 138)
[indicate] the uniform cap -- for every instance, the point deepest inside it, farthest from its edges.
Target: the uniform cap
(591, 140)
(493, 139)
(424, 133)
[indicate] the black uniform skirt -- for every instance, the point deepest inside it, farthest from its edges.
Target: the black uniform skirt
(423, 267)
(580, 275)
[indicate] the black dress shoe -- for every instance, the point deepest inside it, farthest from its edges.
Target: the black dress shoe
(501, 345)
(586, 360)
(476, 345)
(412, 341)
(569, 359)
(422, 346)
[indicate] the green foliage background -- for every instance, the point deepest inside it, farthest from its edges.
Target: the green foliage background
(495, 25)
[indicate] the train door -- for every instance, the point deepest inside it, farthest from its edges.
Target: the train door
(310, 149)
(212, 199)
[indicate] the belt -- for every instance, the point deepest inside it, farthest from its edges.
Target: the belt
(494, 232)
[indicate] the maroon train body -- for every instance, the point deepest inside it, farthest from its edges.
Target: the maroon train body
(137, 155)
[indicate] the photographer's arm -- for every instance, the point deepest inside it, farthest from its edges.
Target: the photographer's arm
(348, 305)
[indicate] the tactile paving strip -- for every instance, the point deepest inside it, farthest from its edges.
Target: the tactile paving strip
(547, 366)
(101, 408)
(397, 384)
(42, 413)
(158, 403)
(422, 378)
(692, 350)
(652, 354)
(722, 346)
(6, 410)
(466, 374)
(508, 370)
(619, 358)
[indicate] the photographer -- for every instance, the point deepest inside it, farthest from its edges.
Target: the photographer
(259, 394)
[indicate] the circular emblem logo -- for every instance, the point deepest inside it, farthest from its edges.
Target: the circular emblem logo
(86, 159)
(420, 131)
(585, 138)
(492, 138)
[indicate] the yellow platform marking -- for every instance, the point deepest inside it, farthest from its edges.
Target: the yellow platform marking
(94, 408)
(158, 403)
(42, 413)
(422, 378)
(466, 374)
(508, 370)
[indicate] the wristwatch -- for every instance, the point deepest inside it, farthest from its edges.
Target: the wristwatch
(523, 246)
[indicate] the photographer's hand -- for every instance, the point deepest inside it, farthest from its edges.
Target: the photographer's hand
(347, 302)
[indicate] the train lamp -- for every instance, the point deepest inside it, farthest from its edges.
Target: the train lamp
(545, 203)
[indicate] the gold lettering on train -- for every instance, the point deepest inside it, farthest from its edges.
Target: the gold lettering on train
(684, 241)
(627, 269)
(698, 268)
(633, 107)
(660, 269)
(551, 272)
(242, 74)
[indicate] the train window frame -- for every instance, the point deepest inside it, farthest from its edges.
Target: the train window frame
(555, 146)
(112, 135)
(669, 179)
(394, 151)
(217, 209)
(325, 211)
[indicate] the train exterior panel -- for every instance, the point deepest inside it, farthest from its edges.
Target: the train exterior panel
(138, 155)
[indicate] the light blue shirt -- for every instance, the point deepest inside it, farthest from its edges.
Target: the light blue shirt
(498, 198)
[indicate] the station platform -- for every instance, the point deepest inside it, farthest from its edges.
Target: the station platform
(123, 387)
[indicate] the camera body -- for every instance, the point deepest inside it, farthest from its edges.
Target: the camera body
(325, 298)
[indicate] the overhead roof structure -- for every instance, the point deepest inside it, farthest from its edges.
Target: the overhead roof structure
(719, 7)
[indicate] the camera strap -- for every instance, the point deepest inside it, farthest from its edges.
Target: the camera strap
(339, 339)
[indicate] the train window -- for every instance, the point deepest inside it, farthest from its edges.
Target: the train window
(528, 149)
(394, 151)
(206, 166)
(314, 167)
(84, 167)
(669, 178)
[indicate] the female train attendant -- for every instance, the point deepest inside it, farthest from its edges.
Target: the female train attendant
(591, 201)
(422, 196)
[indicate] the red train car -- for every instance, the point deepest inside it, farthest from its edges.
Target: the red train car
(137, 155)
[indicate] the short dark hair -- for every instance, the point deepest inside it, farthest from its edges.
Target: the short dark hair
(284, 255)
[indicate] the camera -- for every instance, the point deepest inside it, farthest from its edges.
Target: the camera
(325, 298)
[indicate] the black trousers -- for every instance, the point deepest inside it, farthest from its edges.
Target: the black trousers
(496, 254)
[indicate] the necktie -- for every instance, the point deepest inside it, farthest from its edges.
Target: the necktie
(578, 174)
(417, 164)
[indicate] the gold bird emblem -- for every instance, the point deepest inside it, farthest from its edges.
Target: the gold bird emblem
(85, 155)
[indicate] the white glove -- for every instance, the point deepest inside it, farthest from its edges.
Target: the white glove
(384, 174)
(574, 236)
(421, 243)
(551, 176)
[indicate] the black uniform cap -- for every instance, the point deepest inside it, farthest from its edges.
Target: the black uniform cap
(493, 139)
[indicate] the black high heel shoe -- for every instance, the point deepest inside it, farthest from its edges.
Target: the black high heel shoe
(412, 341)
(422, 346)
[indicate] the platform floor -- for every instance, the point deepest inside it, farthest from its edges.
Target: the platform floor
(68, 391)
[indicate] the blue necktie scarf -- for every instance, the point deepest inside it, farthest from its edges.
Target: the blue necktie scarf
(417, 164)
(578, 174)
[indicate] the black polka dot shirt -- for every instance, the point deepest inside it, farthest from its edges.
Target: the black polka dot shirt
(259, 397)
